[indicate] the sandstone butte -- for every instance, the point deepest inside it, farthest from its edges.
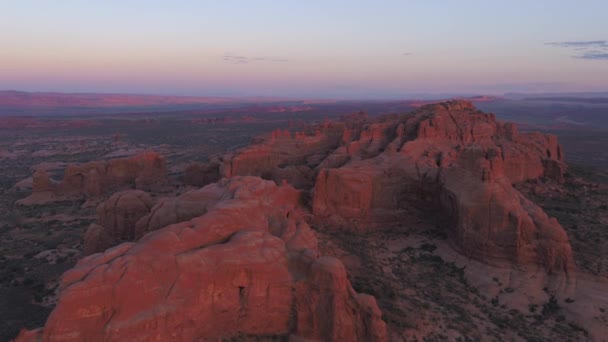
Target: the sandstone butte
(145, 171)
(238, 259)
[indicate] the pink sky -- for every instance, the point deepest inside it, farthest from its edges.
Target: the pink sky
(265, 48)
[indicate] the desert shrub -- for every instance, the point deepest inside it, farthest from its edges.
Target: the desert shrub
(551, 307)
(427, 247)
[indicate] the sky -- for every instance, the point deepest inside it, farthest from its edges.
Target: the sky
(295, 48)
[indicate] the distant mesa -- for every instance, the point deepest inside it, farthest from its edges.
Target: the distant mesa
(52, 99)
(144, 171)
(18, 122)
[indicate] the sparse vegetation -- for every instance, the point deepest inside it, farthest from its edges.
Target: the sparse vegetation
(551, 307)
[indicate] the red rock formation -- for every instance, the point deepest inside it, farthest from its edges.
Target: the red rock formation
(448, 156)
(117, 218)
(97, 239)
(121, 211)
(248, 267)
(41, 181)
(283, 156)
(328, 290)
(461, 162)
(178, 209)
(145, 171)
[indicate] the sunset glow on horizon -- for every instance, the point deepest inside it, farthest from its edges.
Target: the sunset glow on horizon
(341, 49)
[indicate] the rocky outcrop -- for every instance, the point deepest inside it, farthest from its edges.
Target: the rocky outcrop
(249, 266)
(458, 162)
(285, 156)
(97, 239)
(121, 211)
(41, 181)
(117, 219)
(492, 221)
(144, 171)
(178, 209)
(326, 290)
(448, 159)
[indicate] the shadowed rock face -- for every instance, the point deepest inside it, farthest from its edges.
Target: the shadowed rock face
(201, 174)
(145, 171)
(117, 218)
(249, 266)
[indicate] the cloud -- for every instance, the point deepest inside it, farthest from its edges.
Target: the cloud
(585, 49)
(235, 59)
(240, 59)
(594, 55)
(406, 54)
(581, 44)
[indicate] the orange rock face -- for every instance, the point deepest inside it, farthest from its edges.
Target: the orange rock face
(145, 171)
(249, 266)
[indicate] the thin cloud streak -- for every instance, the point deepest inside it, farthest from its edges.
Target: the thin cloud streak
(585, 49)
(240, 59)
(593, 55)
(581, 44)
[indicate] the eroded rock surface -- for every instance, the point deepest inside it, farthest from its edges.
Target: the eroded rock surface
(249, 266)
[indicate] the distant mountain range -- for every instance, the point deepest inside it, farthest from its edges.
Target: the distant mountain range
(521, 96)
(53, 99)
